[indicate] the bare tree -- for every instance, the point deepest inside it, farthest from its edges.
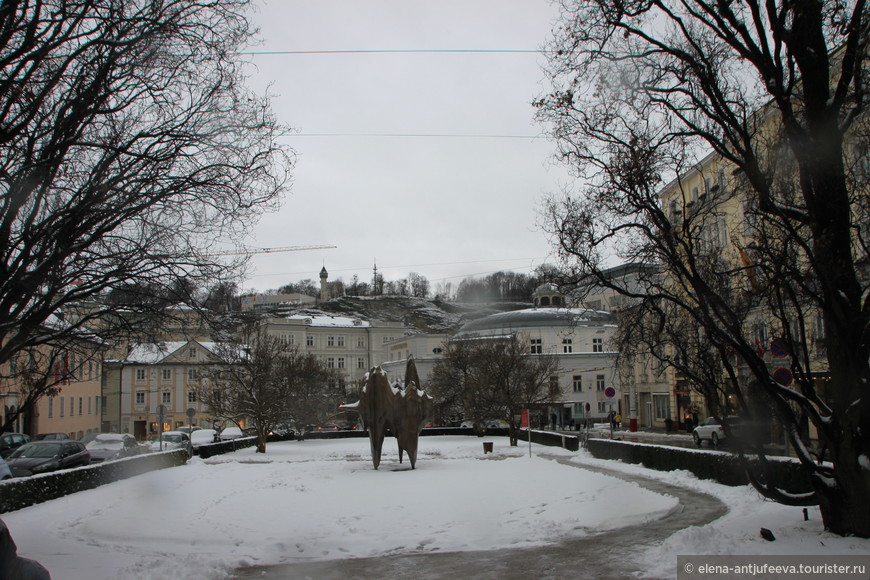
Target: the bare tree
(494, 378)
(777, 91)
(263, 380)
(128, 145)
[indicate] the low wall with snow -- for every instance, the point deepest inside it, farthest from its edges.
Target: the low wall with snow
(726, 468)
(18, 493)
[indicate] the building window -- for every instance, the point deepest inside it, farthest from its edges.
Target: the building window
(60, 405)
(140, 374)
(341, 362)
(191, 354)
(191, 374)
(50, 407)
(597, 345)
(537, 346)
(309, 340)
(360, 363)
(89, 406)
(166, 397)
(72, 406)
(340, 340)
(599, 382)
(662, 405)
(330, 341)
(602, 406)
(567, 345)
(330, 362)
(81, 406)
(577, 381)
(167, 374)
(360, 342)
(140, 398)
(191, 396)
(554, 383)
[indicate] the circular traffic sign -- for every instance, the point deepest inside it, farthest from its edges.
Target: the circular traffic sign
(588, 407)
(783, 376)
(191, 412)
(779, 348)
(609, 392)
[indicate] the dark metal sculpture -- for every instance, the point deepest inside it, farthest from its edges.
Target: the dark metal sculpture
(404, 411)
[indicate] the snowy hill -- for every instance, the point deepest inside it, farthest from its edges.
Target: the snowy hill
(423, 315)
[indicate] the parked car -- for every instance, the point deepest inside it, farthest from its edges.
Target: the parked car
(188, 429)
(203, 437)
(5, 472)
(109, 446)
(9, 442)
(51, 437)
(88, 437)
(712, 430)
(230, 433)
(46, 456)
(172, 440)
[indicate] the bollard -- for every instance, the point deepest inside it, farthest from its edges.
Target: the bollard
(487, 447)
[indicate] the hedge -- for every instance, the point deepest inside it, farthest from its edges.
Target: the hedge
(569, 442)
(212, 449)
(726, 468)
(18, 493)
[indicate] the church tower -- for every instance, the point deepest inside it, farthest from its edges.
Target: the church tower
(324, 291)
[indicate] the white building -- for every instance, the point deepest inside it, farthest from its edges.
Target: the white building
(427, 349)
(351, 346)
(580, 341)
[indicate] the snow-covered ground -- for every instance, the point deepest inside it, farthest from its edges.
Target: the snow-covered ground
(322, 500)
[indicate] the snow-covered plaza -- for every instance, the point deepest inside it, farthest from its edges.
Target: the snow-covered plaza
(322, 500)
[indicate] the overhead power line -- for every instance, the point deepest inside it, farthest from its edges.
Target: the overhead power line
(401, 51)
(423, 135)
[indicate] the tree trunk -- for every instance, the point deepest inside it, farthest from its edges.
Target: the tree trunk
(844, 502)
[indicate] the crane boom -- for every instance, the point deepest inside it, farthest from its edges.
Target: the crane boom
(251, 251)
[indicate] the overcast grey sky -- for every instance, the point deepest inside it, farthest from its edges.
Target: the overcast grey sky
(386, 168)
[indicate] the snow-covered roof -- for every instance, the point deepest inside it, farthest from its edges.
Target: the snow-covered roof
(154, 352)
(536, 318)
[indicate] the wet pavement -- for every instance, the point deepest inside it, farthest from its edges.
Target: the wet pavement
(605, 556)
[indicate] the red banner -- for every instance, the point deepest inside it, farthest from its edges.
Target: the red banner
(524, 419)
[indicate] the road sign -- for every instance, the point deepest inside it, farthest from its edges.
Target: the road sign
(783, 376)
(588, 407)
(779, 348)
(191, 412)
(609, 392)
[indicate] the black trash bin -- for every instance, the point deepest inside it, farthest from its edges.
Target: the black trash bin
(669, 425)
